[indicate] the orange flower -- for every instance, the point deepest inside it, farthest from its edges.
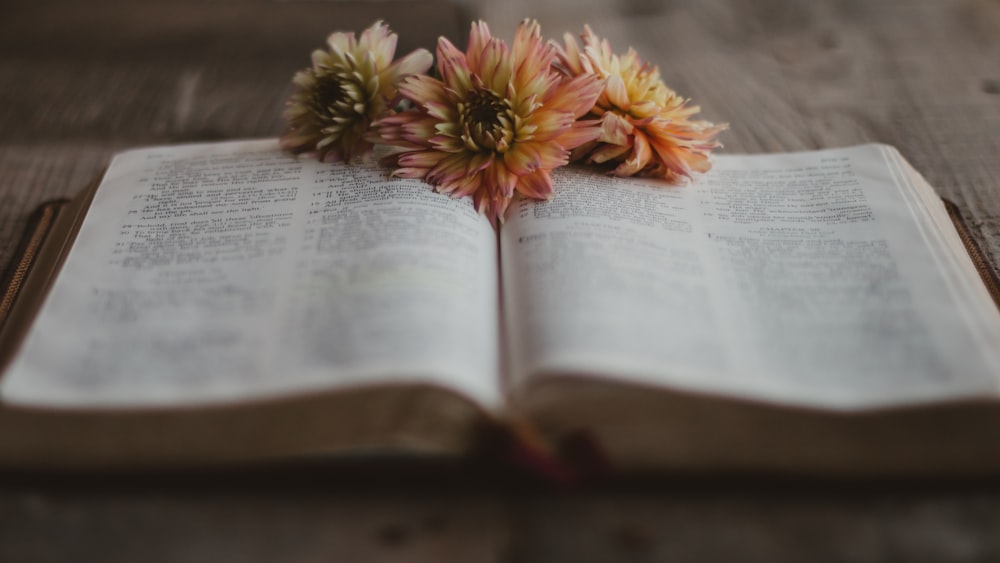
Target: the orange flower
(346, 88)
(499, 120)
(645, 126)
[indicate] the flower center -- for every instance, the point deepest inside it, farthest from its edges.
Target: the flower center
(328, 94)
(486, 121)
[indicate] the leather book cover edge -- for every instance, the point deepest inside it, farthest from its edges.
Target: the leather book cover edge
(51, 232)
(979, 260)
(39, 226)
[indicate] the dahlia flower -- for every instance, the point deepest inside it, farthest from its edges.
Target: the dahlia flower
(347, 87)
(645, 126)
(497, 122)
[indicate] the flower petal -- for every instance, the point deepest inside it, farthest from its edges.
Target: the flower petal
(672, 157)
(617, 94)
(479, 36)
(576, 96)
(638, 159)
(531, 56)
(482, 200)
(615, 129)
(537, 185)
(420, 159)
(502, 178)
(607, 152)
(522, 158)
(479, 162)
(453, 66)
(580, 133)
(422, 89)
(379, 42)
(500, 205)
(549, 154)
(494, 67)
(550, 124)
(341, 42)
(441, 111)
(413, 173)
(448, 169)
(464, 186)
(527, 39)
(570, 61)
(415, 63)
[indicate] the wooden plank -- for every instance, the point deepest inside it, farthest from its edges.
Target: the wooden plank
(729, 524)
(83, 80)
(197, 525)
(189, 31)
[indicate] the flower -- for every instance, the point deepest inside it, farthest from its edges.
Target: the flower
(347, 87)
(645, 126)
(497, 122)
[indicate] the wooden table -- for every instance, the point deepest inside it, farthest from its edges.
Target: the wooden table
(83, 80)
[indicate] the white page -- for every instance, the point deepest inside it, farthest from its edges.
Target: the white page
(230, 271)
(808, 278)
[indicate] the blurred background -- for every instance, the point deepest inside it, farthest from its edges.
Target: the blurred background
(80, 81)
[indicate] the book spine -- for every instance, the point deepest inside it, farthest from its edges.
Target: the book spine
(983, 266)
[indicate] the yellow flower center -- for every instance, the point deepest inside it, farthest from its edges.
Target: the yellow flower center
(486, 121)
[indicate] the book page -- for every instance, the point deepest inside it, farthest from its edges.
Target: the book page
(230, 271)
(814, 279)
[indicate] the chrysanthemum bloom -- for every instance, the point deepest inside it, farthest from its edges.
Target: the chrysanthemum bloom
(347, 87)
(499, 120)
(645, 126)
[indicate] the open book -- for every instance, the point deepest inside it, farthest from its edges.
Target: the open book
(221, 302)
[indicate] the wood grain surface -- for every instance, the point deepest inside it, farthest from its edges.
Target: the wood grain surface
(82, 80)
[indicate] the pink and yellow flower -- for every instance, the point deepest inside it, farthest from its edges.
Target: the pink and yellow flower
(498, 121)
(646, 128)
(346, 88)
